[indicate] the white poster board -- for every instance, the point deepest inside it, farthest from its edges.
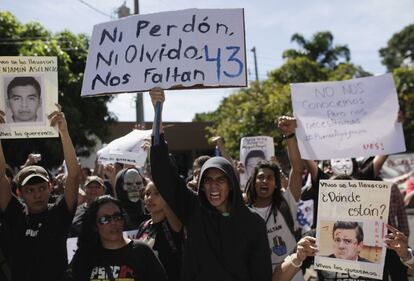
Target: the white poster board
(180, 49)
(29, 87)
(127, 149)
(348, 118)
(343, 203)
(397, 165)
(253, 150)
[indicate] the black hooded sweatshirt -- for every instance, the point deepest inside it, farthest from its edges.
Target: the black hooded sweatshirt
(225, 248)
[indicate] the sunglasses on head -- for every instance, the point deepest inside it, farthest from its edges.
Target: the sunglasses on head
(114, 217)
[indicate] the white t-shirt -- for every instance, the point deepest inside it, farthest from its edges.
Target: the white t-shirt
(281, 240)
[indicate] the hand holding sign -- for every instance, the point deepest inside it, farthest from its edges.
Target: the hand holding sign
(58, 118)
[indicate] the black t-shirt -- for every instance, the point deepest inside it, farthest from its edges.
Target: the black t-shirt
(77, 220)
(133, 262)
(38, 247)
(166, 243)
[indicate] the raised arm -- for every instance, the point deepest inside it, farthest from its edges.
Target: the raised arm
(287, 125)
(72, 179)
(172, 188)
(378, 162)
(5, 191)
(172, 219)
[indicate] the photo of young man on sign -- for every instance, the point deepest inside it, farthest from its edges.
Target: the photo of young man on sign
(23, 99)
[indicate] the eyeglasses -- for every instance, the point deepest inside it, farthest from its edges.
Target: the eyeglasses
(114, 217)
(346, 241)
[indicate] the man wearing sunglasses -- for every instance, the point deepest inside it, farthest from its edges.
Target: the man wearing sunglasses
(348, 240)
(39, 230)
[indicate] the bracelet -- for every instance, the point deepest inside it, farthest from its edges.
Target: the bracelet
(410, 261)
(285, 137)
(290, 259)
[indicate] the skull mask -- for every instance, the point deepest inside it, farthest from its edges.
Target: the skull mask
(133, 185)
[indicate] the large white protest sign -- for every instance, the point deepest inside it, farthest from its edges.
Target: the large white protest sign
(180, 49)
(252, 150)
(348, 118)
(127, 149)
(352, 218)
(30, 91)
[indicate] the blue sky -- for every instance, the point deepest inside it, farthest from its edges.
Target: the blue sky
(364, 25)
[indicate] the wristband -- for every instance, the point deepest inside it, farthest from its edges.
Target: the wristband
(290, 259)
(410, 261)
(285, 137)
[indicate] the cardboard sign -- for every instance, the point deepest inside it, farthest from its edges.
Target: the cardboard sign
(180, 49)
(348, 118)
(29, 87)
(351, 227)
(253, 150)
(397, 165)
(127, 149)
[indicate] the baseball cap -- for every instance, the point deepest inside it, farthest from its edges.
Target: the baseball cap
(97, 179)
(29, 172)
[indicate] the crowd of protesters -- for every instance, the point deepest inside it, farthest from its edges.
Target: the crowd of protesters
(200, 228)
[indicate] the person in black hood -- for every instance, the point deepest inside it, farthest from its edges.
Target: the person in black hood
(225, 240)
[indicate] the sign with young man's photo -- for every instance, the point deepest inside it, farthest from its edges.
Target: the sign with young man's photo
(252, 151)
(352, 118)
(194, 48)
(30, 92)
(351, 227)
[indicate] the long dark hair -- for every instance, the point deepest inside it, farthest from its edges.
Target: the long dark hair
(250, 186)
(89, 239)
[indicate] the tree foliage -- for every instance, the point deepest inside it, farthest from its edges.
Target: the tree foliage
(319, 49)
(253, 111)
(87, 118)
(400, 49)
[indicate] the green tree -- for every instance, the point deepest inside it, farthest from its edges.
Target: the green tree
(88, 118)
(253, 111)
(404, 82)
(400, 49)
(319, 49)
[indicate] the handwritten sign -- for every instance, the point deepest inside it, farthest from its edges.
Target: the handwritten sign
(348, 118)
(127, 149)
(29, 92)
(180, 49)
(351, 226)
(253, 150)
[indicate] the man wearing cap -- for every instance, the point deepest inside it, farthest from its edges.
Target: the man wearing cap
(94, 187)
(39, 230)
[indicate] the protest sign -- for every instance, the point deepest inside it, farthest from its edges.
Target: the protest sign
(29, 87)
(348, 118)
(351, 227)
(180, 49)
(127, 149)
(252, 150)
(398, 165)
